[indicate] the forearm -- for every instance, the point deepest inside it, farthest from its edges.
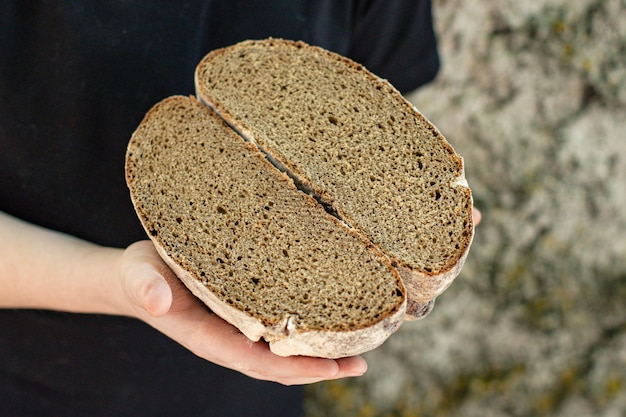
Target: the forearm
(44, 269)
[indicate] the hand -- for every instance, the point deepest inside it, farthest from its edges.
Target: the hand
(158, 298)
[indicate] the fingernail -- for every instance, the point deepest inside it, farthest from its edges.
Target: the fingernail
(157, 296)
(359, 367)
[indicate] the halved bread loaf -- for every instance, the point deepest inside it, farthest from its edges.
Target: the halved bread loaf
(335, 212)
(351, 140)
(260, 253)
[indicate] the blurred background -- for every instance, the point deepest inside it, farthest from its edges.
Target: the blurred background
(533, 96)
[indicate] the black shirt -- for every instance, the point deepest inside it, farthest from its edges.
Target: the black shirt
(76, 78)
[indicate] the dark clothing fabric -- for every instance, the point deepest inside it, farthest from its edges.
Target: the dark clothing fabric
(76, 78)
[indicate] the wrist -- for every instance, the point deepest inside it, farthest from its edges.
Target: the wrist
(106, 287)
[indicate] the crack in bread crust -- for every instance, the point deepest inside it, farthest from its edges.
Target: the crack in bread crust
(300, 183)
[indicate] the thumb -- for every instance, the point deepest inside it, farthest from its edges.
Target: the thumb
(143, 282)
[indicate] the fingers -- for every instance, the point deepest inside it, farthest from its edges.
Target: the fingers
(229, 347)
(310, 370)
(476, 215)
(297, 370)
(354, 366)
(143, 280)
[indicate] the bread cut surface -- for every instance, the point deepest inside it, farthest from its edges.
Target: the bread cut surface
(355, 142)
(261, 253)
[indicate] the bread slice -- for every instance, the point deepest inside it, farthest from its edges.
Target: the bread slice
(351, 140)
(259, 252)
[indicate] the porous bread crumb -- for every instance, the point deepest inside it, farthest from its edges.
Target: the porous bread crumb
(350, 136)
(238, 225)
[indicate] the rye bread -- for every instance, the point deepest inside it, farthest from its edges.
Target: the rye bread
(351, 140)
(260, 253)
(335, 211)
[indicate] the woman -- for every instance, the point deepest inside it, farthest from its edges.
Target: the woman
(92, 321)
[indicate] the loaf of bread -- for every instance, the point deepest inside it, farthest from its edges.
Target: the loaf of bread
(353, 141)
(260, 253)
(303, 199)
